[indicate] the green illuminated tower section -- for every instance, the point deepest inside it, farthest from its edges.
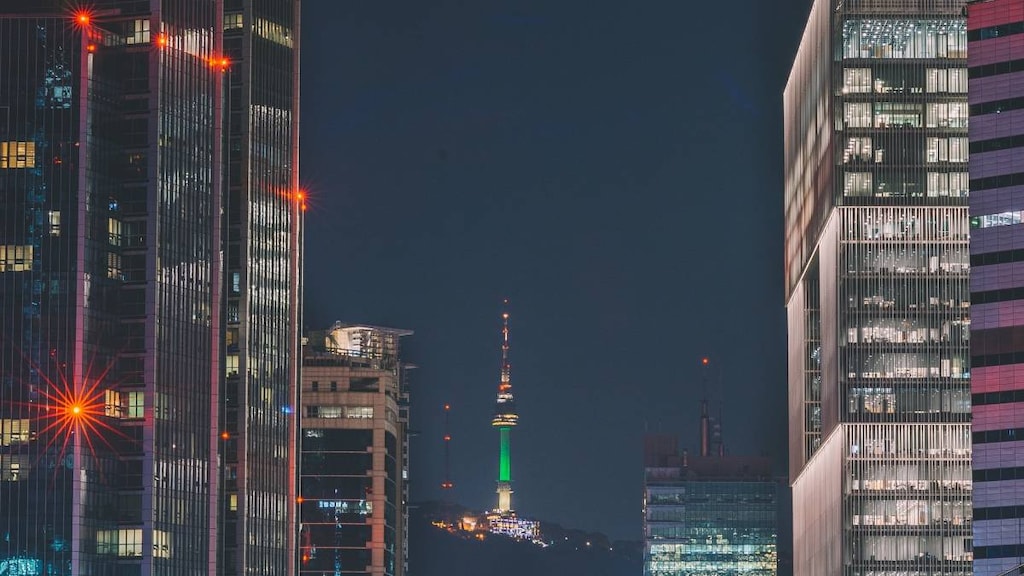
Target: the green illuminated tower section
(505, 418)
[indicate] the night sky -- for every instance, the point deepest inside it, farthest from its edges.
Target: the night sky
(614, 169)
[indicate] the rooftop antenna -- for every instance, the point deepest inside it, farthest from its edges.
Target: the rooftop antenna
(705, 417)
(447, 485)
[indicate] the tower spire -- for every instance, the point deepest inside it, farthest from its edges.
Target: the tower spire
(505, 418)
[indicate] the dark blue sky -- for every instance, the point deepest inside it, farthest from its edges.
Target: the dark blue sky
(614, 168)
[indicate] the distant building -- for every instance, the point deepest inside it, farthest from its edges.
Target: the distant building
(354, 462)
(995, 38)
(710, 514)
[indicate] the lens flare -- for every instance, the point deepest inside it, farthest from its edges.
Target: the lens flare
(81, 411)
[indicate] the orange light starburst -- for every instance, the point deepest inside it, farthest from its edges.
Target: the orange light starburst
(75, 411)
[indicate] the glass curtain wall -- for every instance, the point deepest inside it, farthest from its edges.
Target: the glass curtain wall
(711, 528)
(259, 385)
(58, 286)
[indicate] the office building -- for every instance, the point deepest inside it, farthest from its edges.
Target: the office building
(113, 412)
(110, 312)
(995, 36)
(710, 514)
(355, 458)
(262, 208)
(877, 293)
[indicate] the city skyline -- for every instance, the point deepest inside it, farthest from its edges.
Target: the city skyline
(615, 173)
(627, 205)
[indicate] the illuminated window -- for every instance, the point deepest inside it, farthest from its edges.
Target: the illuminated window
(948, 183)
(857, 184)
(352, 412)
(946, 115)
(17, 154)
(161, 544)
(124, 542)
(858, 149)
(114, 230)
(14, 431)
(231, 365)
(946, 80)
(54, 222)
(856, 80)
(139, 33)
(113, 265)
(359, 412)
(134, 404)
(857, 114)
(15, 258)
(161, 406)
(324, 411)
(232, 21)
(947, 150)
(273, 31)
(112, 403)
(233, 502)
(998, 219)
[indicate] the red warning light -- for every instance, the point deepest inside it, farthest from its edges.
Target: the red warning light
(447, 407)
(76, 410)
(83, 18)
(91, 47)
(225, 435)
(300, 499)
(704, 361)
(161, 40)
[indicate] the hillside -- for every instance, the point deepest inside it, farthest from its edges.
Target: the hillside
(437, 552)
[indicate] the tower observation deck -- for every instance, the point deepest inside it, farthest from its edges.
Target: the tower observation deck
(505, 418)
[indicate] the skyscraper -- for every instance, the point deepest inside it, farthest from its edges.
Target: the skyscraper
(261, 333)
(110, 307)
(996, 96)
(877, 295)
(355, 457)
(116, 409)
(505, 418)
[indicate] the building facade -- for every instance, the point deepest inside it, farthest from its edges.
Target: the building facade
(110, 307)
(262, 207)
(996, 97)
(877, 292)
(46, 224)
(355, 459)
(113, 411)
(707, 515)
